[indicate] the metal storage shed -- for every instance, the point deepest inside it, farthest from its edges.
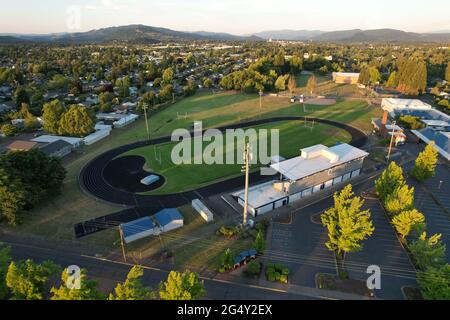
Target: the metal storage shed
(169, 219)
(138, 229)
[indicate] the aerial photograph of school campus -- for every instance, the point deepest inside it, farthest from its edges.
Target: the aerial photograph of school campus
(224, 150)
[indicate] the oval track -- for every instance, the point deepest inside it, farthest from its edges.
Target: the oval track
(92, 179)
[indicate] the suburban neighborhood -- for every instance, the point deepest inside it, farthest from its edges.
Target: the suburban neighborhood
(143, 163)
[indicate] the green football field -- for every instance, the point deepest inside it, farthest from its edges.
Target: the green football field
(294, 135)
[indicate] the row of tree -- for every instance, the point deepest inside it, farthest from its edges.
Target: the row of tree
(73, 121)
(27, 280)
(27, 179)
(428, 252)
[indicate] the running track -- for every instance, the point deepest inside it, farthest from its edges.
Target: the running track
(92, 181)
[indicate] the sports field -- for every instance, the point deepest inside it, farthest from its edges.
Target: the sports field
(55, 220)
(294, 135)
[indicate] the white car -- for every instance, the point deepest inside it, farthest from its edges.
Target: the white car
(150, 180)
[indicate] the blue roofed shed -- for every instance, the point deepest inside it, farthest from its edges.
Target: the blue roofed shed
(169, 219)
(138, 229)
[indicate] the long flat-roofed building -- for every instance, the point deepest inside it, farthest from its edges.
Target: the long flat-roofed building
(345, 77)
(318, 168)
(391, 104)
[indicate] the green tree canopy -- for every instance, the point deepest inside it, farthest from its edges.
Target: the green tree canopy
(52, 113)
(182, 286)
(28, 280)
(428, 252)
(425, 165)
(280, 84)
(76, 122)
(391, 179)
(132, 288)
(435, 283)
(402, 199)
(408, 221)
(27, 178)
(347, 224)
(87, 291)
(312, 84)
(168, 75)
(5, 260)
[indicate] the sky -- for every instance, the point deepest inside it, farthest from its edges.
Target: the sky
(232, 16)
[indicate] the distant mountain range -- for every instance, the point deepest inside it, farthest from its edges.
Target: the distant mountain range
(147, 35)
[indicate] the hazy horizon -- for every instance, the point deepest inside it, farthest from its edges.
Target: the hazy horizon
(238, 17)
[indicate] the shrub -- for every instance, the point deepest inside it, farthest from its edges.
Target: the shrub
(228, 232)
(253, 269)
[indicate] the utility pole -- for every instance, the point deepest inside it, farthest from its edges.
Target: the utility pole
(123, 244)
(392, 140)
(145, 106)
(247, 159)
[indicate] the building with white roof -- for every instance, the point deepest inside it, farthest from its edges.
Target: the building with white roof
(391, 104)
(318, 168)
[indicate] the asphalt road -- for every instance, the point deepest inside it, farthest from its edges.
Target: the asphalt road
(109, 273)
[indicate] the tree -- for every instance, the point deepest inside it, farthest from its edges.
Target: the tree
(132, 289)
(28, 280)
(428, 252)
(9, 130)
(182, 286)
(21, 96)
(435, 283)
(87, 290)
(166, 93)
(207, 83)
(392, 81)
(5, 260)
(408, 221)
(124, 86)
(346, 223)
(76, 122)
(391, 179)
(227, 260)
(292, 83)
(26, 178)
(296, 64)
(167, 76)
(425, 165)
(260, 242)
(312, 84)
(190, 88)
(402, 199)
(52, 113)
(364, 76)
(30, 121)
(280, 84)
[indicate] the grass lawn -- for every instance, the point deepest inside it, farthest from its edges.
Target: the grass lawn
(293, 136)
(302, 79)
(55, 220)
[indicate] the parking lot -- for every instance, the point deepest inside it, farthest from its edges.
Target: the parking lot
(433, 200)
(300, 245)
(383, 249)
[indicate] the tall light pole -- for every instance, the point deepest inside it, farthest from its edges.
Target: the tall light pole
(302, 101)
(145, 107)
(392, 140)
(248, 156)
(122, 244)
